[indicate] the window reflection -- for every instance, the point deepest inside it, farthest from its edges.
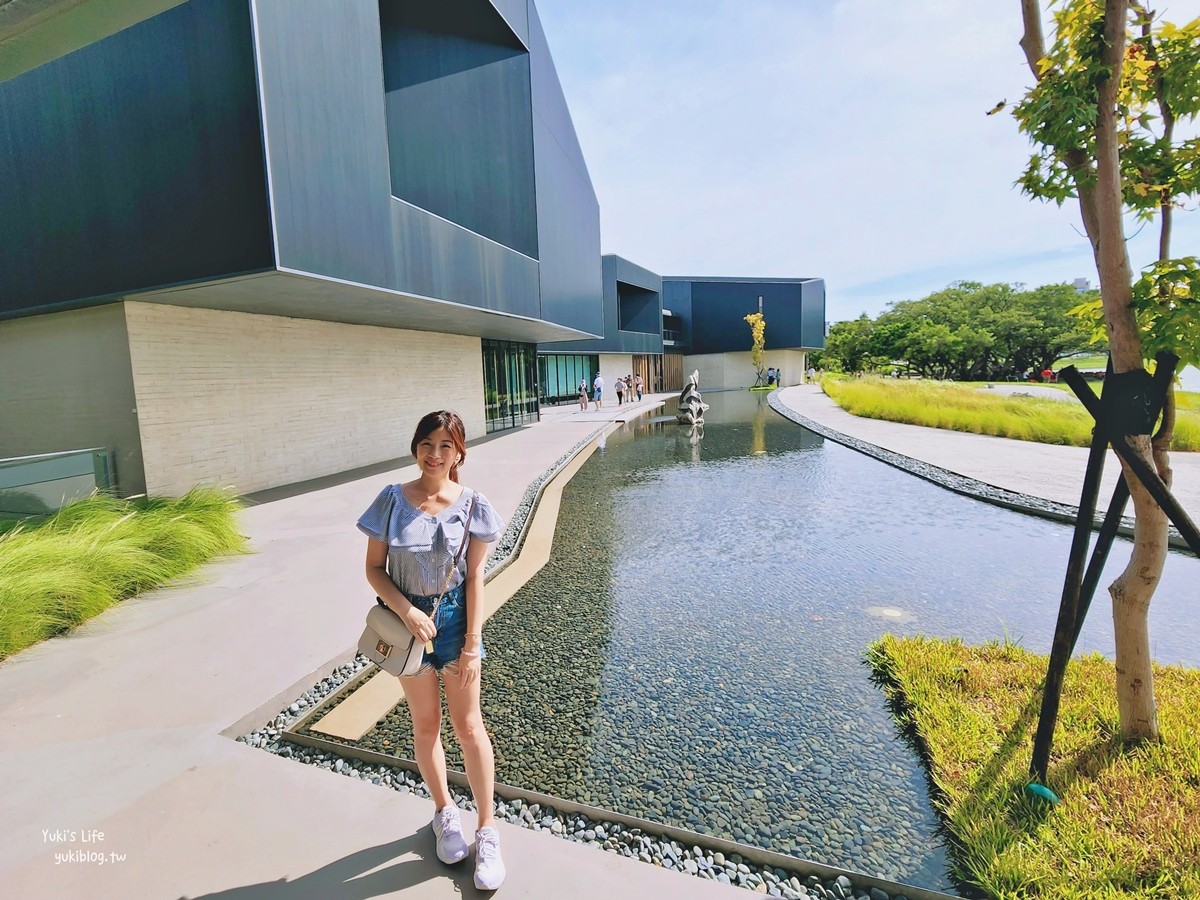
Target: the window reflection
(509, 384)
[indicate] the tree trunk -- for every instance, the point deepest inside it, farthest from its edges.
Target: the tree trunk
(1131, 594)
(1133, 589)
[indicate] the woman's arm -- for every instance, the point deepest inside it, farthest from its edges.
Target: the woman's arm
(377, 576)
(477, 553)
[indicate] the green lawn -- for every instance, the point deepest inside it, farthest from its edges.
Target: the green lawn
(62, 570)
(964, 407)
(1094, 361)
(1125, 827)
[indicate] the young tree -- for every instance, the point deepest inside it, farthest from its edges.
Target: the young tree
(758, 332)
(1102, 114)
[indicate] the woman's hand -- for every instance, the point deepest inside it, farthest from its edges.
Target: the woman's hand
(471, 666)
(420, 624)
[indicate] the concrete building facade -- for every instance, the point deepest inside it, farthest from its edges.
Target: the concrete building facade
(252, 240)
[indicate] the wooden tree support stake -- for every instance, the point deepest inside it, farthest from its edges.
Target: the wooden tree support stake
(1078, 592)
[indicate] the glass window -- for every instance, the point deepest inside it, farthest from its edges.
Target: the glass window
(510, 384)
(561, 374)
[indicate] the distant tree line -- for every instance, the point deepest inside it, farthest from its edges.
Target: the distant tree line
(967, 332)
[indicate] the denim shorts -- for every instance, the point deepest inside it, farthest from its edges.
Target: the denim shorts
(451, 624)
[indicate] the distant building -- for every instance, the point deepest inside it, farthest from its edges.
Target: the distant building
(1081, 285)
(714, 338)
(631, 343)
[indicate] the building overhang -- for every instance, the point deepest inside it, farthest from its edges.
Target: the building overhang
(299, 295)
(35, 32)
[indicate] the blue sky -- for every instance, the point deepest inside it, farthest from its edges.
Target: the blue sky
(844, 139)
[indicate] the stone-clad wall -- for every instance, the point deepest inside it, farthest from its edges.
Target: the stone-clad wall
(258, 401)
(727, 371)
(65, 384)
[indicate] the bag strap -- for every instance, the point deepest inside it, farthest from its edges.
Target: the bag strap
(463, 546)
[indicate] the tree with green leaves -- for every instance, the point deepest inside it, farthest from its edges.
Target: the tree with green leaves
(758, 338)
(967, 332)
(1108, 94)
(848, 346)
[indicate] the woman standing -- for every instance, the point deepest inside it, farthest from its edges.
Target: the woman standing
(415, 531)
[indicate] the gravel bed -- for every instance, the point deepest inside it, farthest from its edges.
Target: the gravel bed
(608, 836)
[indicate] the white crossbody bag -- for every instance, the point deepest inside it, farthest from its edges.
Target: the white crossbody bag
(387, 642)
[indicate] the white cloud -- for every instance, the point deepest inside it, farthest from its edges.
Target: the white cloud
(844, 139)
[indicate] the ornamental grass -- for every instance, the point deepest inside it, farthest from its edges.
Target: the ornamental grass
(64, 570)
(957, 407)
(1125, 824)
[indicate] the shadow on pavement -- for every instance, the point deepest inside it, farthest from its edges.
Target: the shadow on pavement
(347, 878)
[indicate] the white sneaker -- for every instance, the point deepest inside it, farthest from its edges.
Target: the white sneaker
(451, 845)
(489, 867)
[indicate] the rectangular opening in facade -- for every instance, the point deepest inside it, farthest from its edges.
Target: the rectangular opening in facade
(637, 309)
(460, 117)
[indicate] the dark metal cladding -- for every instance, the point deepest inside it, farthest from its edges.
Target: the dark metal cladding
(633, 308)
(418, 148)
(134, 162)
(327, 138)
(714, 309)
(567, 211)
(459, 117)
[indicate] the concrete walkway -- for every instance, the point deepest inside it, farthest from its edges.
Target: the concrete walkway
(116, 730)
(1039, 470)
(111, 738)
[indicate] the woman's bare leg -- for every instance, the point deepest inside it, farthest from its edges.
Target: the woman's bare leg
(467, 719)
(425, 704)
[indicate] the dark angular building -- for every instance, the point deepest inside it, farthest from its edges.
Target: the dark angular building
(664, 327)
(247, 241)
(631, 341)
(704, 321)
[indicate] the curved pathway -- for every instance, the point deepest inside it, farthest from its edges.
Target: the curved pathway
(1044, 471)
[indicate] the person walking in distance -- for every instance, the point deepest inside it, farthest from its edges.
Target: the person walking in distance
(598, 391)
(414, 531)
(637, 380)
(583, 394)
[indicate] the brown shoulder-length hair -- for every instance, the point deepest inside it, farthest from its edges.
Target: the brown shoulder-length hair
(443, 418)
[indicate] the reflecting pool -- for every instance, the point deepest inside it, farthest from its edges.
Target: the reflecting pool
(693, 651)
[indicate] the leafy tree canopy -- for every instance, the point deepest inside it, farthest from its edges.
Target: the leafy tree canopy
(968, 332)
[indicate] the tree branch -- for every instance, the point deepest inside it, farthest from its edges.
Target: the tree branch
(1112, 259)
(1165, 206)
(1032, 42)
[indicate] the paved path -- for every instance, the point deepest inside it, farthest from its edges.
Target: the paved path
(117, 729)
(1040, 470)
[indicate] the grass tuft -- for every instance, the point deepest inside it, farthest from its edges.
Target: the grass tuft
(67, 568)
(1123, 828)
(955, 407)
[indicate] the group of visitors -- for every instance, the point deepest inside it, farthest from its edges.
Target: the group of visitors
(626, 388)
(774, 377)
